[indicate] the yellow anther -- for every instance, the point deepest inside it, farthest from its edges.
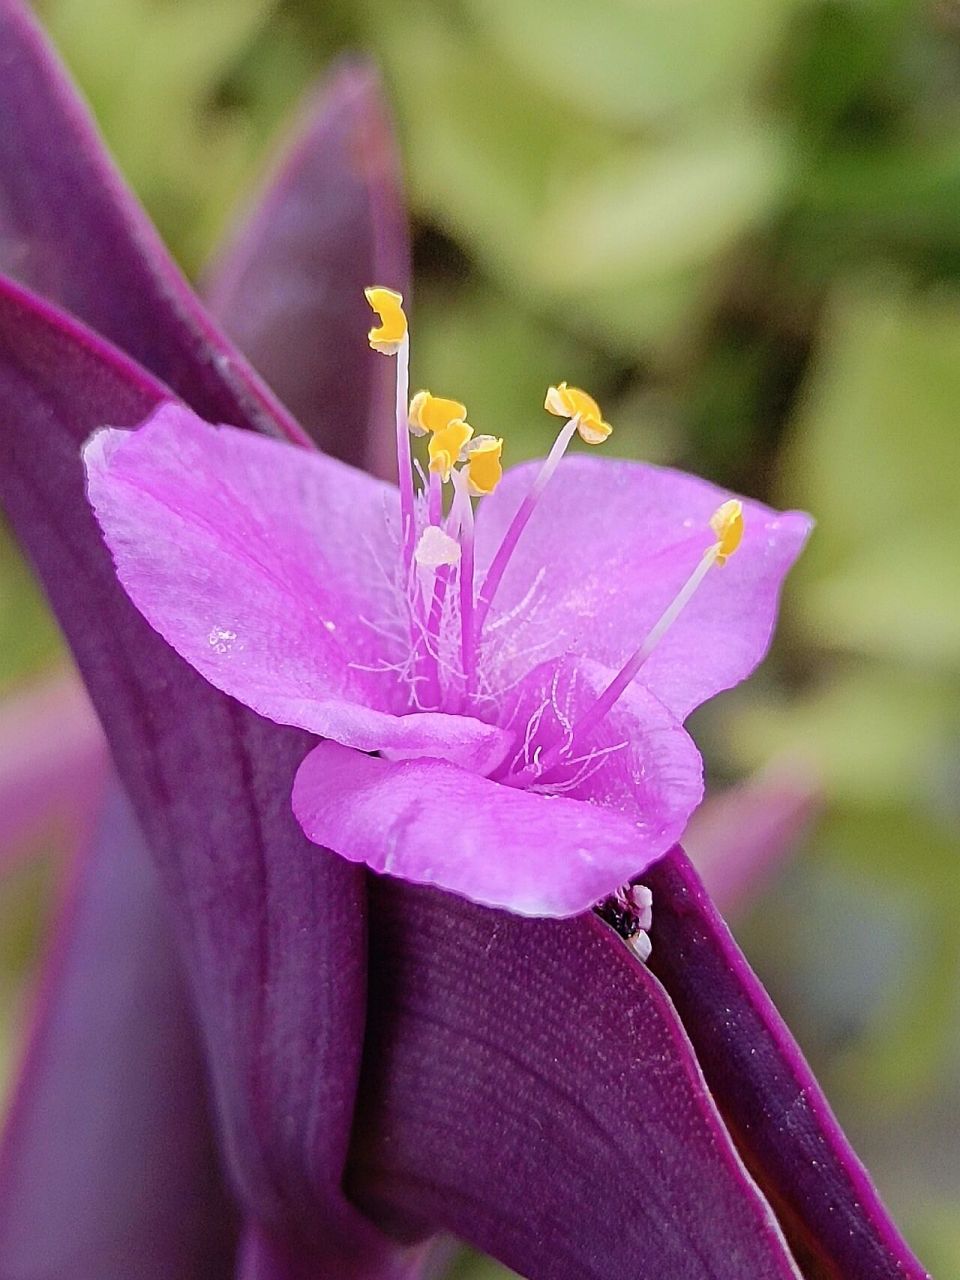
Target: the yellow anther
(446, 447)
(390, 333)
(429, 413)
(571, 402)
(727, 523)
(484, 471)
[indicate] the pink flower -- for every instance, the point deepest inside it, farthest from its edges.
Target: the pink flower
(522, 674)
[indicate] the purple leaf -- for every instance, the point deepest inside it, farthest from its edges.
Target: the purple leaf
(288, 288)
(767, 1093)
(740, 838)
(71, 231)
(529, 1087)
(68, 227)
(107, 1168)
(53, 764)
(261, 912)
(262, 1258)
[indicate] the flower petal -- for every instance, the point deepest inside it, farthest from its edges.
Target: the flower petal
(528, 1086)
(70, 230)
(260, 912)
(260, 563)
(433, 823)
(109, 1122)
(640, 761)
(288, 289)
(607, 549)
(767, 1092)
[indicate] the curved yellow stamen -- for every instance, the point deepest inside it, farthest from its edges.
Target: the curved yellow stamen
(446, 447)
(392, 329)
(430, 413)
(571, 402)
(727, 523)
(484, 471)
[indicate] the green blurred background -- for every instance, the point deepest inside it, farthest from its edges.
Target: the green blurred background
(738, 223)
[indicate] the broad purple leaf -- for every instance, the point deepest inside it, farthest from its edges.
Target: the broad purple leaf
(263, 1258)
(770, 1099)
(53, 764)
(272, 927)
(108, 1168)
(68, 227)
(288, 288)
(739, 838)
(70, 231)
(529, 1087)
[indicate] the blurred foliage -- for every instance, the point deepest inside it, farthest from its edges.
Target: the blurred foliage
(739, 222)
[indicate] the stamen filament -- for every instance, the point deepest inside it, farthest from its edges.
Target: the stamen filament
(468, 631)
(404, 463)
(435, 499)
(627, 673)
(519, 522)
(434, 622)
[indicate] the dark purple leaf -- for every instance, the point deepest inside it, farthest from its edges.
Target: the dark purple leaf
(71, 231)
(53, 765)
(68, 227)
(767, 1093)
(264, 1259)
(528, 1086)
(272, 927)
(289, 288)
(108, 1168)
(739, 839)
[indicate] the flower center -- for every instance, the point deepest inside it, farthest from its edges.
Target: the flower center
(437, 544)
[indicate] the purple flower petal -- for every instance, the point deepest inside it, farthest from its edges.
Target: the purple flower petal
(614, 542)
(433, 823)
(640, 761)
(107, 1165)
(289, 288)
(529, 1086)
(260, 911)
(70, 230)
(535, 854)
(259, 563)
(767, 1093)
